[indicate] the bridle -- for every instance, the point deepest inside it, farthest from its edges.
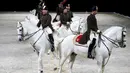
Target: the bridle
(20, 30)
(27, 35)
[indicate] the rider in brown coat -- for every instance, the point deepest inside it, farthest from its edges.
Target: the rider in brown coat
(45, 21)
(92, 26)
(65, 18)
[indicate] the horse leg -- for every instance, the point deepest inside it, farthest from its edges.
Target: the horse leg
(48, 53)
(40, 66)
(71, 61)
(99, 63)
(101, 66)
(63, 59)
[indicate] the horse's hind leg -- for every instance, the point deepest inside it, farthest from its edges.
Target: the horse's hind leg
(40, 65)
(71, 61)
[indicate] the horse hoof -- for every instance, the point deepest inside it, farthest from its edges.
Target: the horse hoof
(48, 53)
(55, 68)
(41, 72)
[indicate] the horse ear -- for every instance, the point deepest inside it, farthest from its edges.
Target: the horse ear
(19, 24)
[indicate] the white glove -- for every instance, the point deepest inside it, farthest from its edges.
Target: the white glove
(98, 31)
(68, 23)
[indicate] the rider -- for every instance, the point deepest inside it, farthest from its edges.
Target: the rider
(59, 10)
(69, 11)
(65, 18)
(45, 21)
(92, 26)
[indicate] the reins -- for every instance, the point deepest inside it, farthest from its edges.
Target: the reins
(31, 35)
(112, 41)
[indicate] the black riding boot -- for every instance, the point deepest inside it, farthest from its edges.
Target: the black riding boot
(51, 39)
(91, 46)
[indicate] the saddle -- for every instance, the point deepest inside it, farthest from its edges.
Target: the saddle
(76, 40)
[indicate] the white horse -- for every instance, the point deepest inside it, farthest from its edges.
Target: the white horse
(37, 37)
(114, 36)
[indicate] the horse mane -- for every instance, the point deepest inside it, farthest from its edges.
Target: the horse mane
(111, 29)
(27, 24)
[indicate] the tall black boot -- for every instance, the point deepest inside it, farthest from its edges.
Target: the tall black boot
(51, 39)
(91, 46)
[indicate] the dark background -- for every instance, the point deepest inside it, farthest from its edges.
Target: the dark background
(122, 6)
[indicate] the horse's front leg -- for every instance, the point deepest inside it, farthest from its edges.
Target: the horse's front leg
(49, 51)
(101, 66)
(40, 65)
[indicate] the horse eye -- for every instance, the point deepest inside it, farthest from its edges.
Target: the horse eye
(20, 30)
(124, 35)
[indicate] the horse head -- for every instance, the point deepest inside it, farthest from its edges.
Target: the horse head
(116, 35)
(24, 28)
(83, 26)
(122, 37)
(78, 26)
